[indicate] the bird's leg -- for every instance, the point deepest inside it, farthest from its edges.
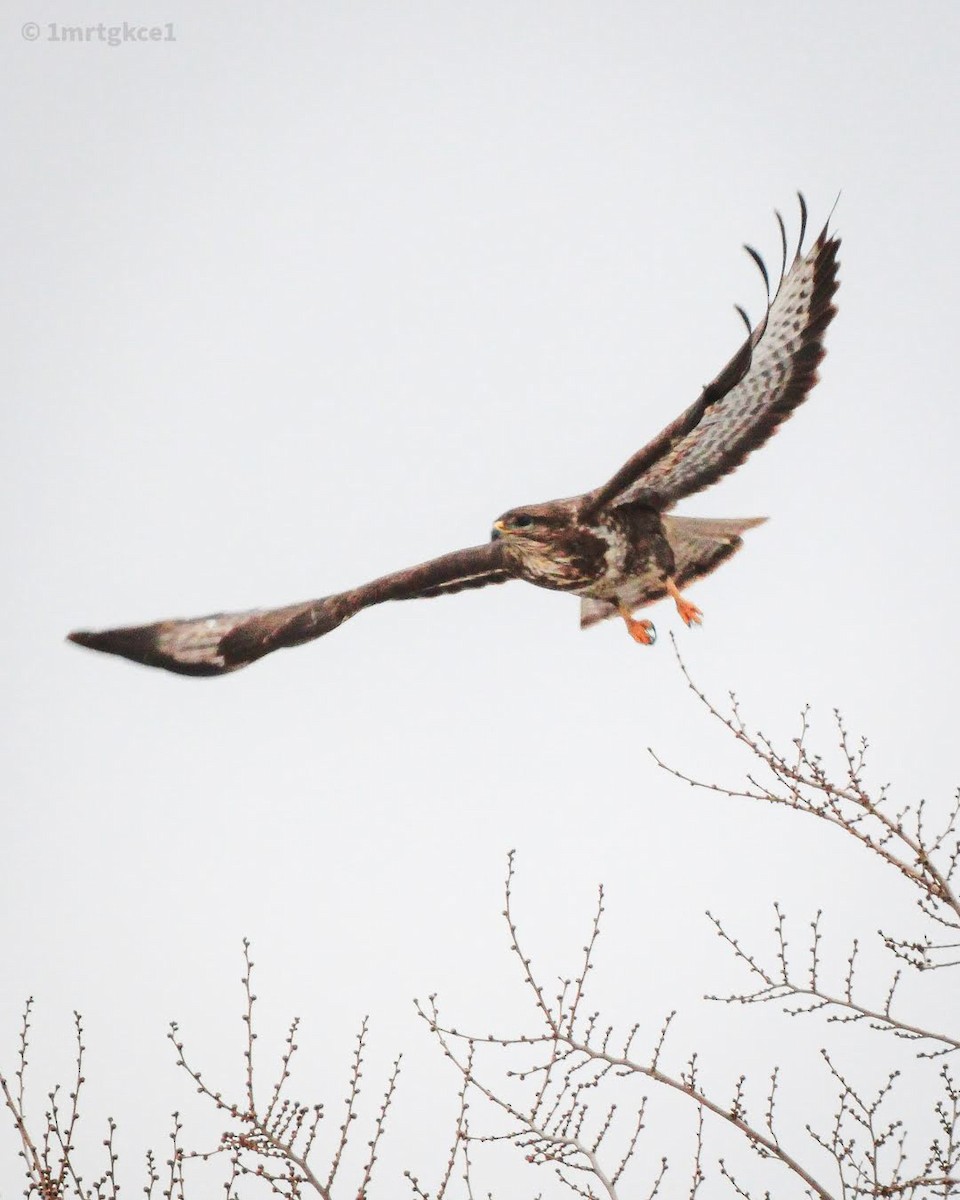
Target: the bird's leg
(641, 631)
(689, 613)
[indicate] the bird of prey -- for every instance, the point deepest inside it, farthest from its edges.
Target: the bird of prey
(617, 547)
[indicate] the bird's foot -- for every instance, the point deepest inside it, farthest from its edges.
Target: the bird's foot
(689, 613)
(642, 631)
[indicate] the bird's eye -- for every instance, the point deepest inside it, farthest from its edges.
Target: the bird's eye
(522, 521)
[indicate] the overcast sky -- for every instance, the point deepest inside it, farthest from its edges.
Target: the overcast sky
(316, 290)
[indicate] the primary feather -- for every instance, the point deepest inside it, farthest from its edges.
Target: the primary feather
(760, 387)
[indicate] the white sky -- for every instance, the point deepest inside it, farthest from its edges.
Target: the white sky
(316, 291)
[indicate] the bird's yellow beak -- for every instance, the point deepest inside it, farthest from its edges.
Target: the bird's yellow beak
(500, 527)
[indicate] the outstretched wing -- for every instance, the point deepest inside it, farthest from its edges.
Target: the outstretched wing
(759, 388)
(225, 642)
(699, 545)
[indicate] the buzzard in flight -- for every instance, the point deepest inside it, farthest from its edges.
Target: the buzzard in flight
(618, 547)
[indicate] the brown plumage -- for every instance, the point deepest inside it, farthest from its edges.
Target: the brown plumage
(616, 547)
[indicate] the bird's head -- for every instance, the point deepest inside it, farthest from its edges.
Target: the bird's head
(534, 524)
(544, 542)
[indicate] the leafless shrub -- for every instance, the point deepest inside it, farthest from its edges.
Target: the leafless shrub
(51, 1159)
(565, 1091)
(573, 1093)
(900, 837)
(272, 1141)
(275, 1140)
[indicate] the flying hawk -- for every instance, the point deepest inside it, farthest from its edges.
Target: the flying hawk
(618, 547)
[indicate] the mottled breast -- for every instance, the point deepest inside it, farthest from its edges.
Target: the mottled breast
(637, 548)
(571, 561)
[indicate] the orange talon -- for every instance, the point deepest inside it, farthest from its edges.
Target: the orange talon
(689, 613)
(641, 631)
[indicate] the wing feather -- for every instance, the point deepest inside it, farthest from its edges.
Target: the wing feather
(224, 642)
(768, 377)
